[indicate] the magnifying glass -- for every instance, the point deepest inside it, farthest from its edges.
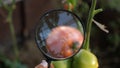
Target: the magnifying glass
(59, 34)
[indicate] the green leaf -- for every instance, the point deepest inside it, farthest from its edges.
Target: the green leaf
(114, 4)
(74, 2)
(18, 65)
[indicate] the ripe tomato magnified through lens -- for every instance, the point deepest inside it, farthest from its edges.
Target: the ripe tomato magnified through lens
(64, 41)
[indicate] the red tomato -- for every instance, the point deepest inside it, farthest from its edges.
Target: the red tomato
(61, 39)
(68, 6)
(67, 52)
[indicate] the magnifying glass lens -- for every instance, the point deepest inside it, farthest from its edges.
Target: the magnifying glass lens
(59, 34)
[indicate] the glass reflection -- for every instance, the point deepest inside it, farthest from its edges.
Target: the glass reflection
(52, 20)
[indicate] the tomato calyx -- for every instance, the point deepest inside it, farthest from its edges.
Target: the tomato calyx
(75, 46)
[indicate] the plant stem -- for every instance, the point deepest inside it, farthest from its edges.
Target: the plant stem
(89, 25)
(11, 26)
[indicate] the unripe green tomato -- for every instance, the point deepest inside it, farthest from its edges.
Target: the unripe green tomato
(85, 59)
(62, 63)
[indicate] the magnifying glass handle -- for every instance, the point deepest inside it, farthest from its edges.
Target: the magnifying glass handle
(49, 63)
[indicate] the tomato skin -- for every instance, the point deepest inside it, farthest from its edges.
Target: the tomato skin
(62, 63)
(60, 41)
(85, 59)
(68, 6)
(67, 52)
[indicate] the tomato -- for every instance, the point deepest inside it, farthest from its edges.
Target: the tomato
(85, 59)
(68, 6)
(68, 52)
(62, 63)
(61, 40)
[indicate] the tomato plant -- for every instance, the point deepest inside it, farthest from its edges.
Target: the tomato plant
(84, 58)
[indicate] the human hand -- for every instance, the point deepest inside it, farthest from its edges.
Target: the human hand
(44, 64)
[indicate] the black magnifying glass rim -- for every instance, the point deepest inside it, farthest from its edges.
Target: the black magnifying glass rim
(36, 32)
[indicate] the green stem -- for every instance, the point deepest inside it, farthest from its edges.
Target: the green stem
(11, 26)
(97, 11)
(89, 25)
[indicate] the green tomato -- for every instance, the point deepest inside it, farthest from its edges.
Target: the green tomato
(85, 59)
(62, 63)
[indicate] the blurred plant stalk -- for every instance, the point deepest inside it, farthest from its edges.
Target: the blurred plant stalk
(10, 8)
(9, 1)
